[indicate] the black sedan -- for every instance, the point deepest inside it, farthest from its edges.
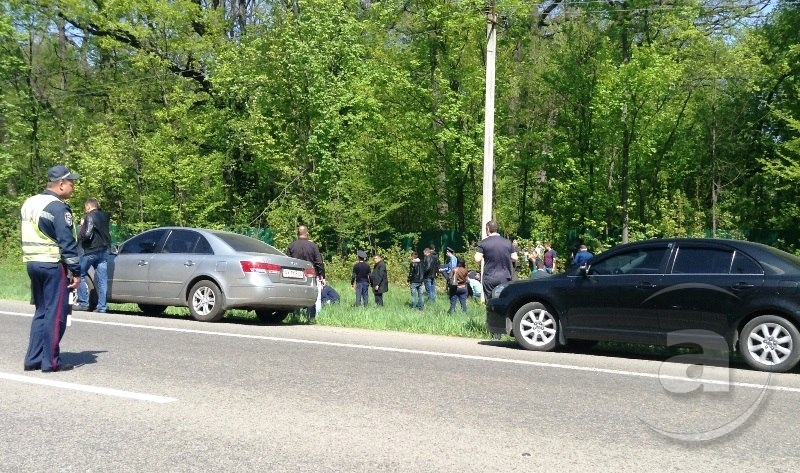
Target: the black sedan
(704, 292)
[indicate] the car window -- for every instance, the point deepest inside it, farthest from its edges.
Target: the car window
(246, 244)
(702, 261)
(147, 242)
(203, 247)
(743, 264)
(637, 261)
(181, 241)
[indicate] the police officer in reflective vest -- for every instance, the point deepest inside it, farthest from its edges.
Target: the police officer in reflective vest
(50, 250)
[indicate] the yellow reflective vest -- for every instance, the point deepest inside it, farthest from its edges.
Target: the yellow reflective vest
(36, 246)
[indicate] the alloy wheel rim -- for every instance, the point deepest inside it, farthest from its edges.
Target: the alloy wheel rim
(538, 327)
(770, 344)
(203, 300)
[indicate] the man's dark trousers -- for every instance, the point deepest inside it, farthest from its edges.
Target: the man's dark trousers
(51, 297)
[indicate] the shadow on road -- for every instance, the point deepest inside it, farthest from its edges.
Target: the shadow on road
(229, 318)
(633, 351)
(83, 358)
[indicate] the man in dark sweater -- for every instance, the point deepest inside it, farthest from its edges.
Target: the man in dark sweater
(359, 279)
(307, 250)
(95, 239)
(497, 255)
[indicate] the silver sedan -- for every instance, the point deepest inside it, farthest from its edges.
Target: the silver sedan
(208, 271)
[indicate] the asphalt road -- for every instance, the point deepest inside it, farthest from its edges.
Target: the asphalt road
(157, 394)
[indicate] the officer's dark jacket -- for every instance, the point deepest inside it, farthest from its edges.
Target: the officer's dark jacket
(360, 273)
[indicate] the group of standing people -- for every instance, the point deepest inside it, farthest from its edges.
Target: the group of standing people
(422, 274)
(498, 255)
(542, 259)
(363, 278)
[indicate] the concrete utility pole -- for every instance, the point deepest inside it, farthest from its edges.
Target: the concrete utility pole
(488, 137)
(488, 132)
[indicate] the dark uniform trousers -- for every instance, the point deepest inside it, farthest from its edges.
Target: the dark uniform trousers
(50, 294)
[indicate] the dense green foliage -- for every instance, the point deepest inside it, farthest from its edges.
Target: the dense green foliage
(615, 120)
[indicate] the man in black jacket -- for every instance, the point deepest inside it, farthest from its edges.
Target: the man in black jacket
(379, 279)
(95, 238)
(430, 267)
(307, 250)
(415, 280)
(360, 279)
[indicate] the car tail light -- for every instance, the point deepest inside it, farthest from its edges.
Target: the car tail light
(310, 272)
(259, 267)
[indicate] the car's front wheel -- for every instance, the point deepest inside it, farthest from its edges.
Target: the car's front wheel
(269, 316)
(206, 302)
(770, 343)
(535, 327)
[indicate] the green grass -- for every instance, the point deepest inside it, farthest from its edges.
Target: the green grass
(17, 286)
(396, 315)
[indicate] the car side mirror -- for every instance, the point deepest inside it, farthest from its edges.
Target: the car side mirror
(583, 271)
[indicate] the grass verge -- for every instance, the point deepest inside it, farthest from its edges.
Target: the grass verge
(396, 315)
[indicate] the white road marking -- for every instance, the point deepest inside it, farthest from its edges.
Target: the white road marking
(87, 389)
(635, 374)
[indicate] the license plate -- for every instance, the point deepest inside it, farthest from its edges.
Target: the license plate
(293, 273)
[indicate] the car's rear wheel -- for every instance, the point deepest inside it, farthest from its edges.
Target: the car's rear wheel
(206, 302)
(152, 309)
(535, 327)
(770, 343)
(269, 316)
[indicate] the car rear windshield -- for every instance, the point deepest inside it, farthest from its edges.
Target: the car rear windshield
(783, 254)
(246, 244)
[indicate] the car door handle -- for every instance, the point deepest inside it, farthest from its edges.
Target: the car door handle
(645, 285)
(142, 262)
(188, 263)
(742, 285)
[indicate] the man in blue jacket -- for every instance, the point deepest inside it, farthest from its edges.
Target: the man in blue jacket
(582, 256)
(50, 252)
